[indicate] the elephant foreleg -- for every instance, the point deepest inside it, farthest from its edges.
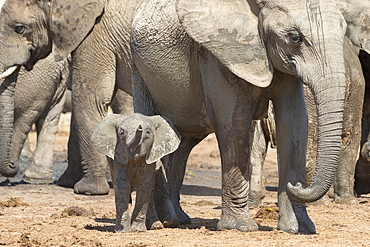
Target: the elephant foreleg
(144, 192)
(231, 119)
(92, 90)
(122, 196)
(291, 129)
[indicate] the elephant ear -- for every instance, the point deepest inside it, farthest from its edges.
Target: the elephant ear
(105, 139)
(70, 22)
(229, 30)
(358, 24)
(166, 139)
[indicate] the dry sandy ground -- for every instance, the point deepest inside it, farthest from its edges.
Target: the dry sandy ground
(41, 215)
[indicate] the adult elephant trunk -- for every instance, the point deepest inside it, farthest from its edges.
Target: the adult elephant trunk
(328, 85)
(7, 167)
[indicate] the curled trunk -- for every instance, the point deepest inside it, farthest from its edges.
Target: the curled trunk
(325, 77)
(329, 99)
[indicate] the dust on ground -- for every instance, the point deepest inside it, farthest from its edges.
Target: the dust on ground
(49, 215)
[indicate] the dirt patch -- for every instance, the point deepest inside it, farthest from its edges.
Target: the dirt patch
(267, 212)
(12, 202)
(49, 215)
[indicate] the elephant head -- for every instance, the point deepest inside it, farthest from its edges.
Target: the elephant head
(301, 38)
(31, 30)
(124, 138)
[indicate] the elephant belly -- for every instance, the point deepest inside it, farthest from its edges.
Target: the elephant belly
(180, 98)
(167, 59)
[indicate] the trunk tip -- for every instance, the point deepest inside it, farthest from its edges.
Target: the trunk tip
(10, 170)
(301, 194)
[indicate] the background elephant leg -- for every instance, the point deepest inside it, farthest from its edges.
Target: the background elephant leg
(257, 189)
(144, 192)
(362, 173)
(291, 129)
(26, 150)
(175, 170)
(350, 149)
(47, 127)
(92, 90)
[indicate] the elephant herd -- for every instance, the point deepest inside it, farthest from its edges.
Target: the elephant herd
(292, 72)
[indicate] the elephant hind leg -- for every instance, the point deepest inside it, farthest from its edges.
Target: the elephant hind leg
(175, 168)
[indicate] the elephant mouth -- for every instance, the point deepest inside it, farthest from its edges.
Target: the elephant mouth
(134, 152)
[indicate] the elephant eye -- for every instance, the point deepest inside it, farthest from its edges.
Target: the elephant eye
(19, 29)
(295, 37)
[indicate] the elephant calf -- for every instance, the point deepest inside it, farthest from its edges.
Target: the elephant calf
(134, 146)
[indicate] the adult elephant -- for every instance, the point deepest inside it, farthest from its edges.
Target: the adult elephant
(357, 14)
(38, 100)
(343, 185)
(97, 34)
(201, 64)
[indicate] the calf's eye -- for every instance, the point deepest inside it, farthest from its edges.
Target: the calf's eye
(19, 29)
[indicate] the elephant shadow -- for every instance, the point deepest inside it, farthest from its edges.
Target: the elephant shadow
(102, 228)
(211, 225)
(196, 190)
(196, 223)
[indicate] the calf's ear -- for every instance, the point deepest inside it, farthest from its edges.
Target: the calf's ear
(105, 139)
(166, 139)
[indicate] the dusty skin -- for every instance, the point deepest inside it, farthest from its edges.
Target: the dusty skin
(49, 215)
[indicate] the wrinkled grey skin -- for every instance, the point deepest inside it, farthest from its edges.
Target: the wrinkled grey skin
(134, 146)
(96, 33)
(362, 175)
(38, 98)
(358, 17)
(351, 134)
(201, 65)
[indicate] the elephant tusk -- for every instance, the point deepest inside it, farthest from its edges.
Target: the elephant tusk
(8, 72)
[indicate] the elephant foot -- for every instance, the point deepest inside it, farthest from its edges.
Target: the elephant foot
(138, 227)
(69, 178)
(37, 174)
(155, 225)
(347, 200)
(181, 216)
(298, 222)
(92, 186)
(122, 228)
(246, 224)
(167, 215)
(152, 221)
